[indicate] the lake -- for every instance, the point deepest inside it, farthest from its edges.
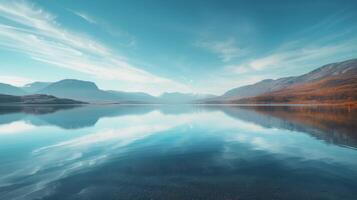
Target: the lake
(178, 152)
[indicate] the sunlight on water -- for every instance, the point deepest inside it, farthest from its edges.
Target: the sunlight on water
(175, 152)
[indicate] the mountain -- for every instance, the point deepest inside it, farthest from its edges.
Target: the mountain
(133, 97)
(11, 90)
(270, 85)
(89, 92)
(177, 97)
(332, 83)
(33, 88)
(78, 90)
(339, 89)
(261, 87)
(35, 99)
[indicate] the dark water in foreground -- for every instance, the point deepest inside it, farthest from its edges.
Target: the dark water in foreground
(178, 152)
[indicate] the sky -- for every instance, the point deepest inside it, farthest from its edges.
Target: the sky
(156, 46)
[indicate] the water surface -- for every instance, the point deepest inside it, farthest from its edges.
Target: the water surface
(178, 152)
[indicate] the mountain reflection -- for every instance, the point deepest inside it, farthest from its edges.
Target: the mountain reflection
(67, 117)
(335, 125)
(177, 152)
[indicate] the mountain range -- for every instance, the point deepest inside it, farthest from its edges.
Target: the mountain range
(331, 83)
(86, 91)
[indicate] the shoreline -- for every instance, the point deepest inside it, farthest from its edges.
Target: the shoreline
(178, 104)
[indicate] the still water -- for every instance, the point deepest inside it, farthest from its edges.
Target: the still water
(178, 152)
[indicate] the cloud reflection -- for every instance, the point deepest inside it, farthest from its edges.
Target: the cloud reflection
(175, 134)
(15, 127)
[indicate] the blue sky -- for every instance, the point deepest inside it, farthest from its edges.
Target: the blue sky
(156, 46)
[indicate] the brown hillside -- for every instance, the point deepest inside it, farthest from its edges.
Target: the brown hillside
(339, 89)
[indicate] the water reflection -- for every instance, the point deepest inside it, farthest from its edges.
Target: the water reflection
(334, 124)
(178, 152)
(67, 117)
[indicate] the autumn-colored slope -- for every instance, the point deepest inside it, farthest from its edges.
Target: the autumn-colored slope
(339, 89)
(335, 124)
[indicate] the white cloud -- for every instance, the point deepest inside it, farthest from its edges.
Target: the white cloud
(269, 61)
(287, 60)
(297, 56)
(226, 49)
(38, 35)
(15, 80)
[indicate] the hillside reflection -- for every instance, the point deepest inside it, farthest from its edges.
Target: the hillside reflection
(67, 117)
(196, 152)
(335, 125)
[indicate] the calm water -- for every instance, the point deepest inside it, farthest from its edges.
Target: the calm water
(178, 152)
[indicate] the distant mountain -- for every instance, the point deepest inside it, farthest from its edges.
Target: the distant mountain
(332, 83)
(133, 97)
(261, 87)
(11, 90)
(78, 90)
(339, 89)
(176, 97)
(270, 85)
(89, 92)
(35, 87)
(35, 99)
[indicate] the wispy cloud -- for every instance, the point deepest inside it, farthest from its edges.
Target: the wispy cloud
(290, 59)
(293, 60)
(129, 40)
(297, 55)
(313, 46)
(38, 35)
(225, 49)
(84, 16)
